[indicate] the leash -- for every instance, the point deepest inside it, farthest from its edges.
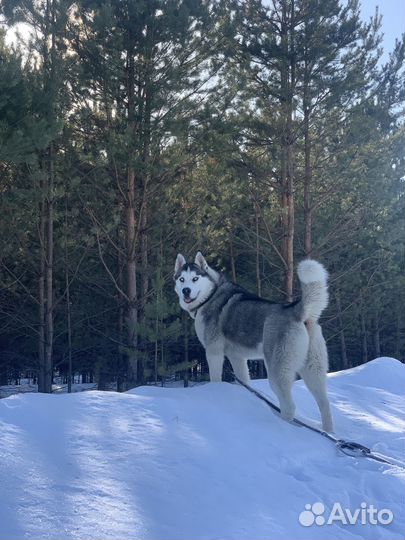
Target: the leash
(349, 448)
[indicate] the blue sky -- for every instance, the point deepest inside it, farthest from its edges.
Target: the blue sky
(393, 23)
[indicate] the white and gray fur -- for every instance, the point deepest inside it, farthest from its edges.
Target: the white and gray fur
(231, 322)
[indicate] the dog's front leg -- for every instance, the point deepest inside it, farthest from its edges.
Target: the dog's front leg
(215, 361)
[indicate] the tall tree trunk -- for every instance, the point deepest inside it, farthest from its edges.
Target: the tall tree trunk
(156, 357)
(287, 153)
(258, 277)
(377, 341)
(49, 277)
(132, 311)
(158, 292)
(45, 282)
(144, 251)
(398, 333)
(288, 239)
(121, 371)
(363, 333)
(131, 240)
(143, 210)
(68, 311)
(41, 289)
(343, 349)
(147, 174)
(307, 188)
(232, 257)
(69, 329)
(46, 219)
(307, 158)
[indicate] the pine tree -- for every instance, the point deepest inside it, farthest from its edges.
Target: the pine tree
(49, 20)
(145, 77)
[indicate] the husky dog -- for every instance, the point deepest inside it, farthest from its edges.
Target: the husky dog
(232, 322)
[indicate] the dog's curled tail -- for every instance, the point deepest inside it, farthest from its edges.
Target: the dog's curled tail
(313, 278)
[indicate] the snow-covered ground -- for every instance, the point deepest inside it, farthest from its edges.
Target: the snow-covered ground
(58, 388)
(206, 462)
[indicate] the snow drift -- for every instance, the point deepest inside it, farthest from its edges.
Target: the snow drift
(206, 462)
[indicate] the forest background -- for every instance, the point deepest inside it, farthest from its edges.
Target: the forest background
(258, 132)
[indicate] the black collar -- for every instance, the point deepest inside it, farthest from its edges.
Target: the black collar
(195, 310)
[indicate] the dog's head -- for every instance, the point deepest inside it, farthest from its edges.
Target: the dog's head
(194, 282)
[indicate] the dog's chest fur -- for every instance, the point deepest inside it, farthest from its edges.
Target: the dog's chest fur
(200, 328)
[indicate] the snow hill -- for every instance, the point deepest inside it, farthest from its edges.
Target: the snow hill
(206, 462)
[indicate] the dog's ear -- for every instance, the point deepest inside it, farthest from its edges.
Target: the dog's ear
(201, 262)
(180, 262)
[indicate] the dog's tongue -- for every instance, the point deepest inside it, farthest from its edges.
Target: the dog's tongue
(188, 300)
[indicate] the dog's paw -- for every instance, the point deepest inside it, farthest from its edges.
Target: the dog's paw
(288, 415)
(328, 427)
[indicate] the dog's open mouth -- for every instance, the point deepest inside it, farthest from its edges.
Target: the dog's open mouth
(189, 300)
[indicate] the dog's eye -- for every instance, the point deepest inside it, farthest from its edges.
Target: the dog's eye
(195, 278)
(181, 279)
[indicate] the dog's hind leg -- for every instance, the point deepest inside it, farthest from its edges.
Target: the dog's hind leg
(314, 374)
(281, 383)
(283, 359)
(240, 369)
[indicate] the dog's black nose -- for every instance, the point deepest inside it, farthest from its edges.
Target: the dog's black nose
(186, 291)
